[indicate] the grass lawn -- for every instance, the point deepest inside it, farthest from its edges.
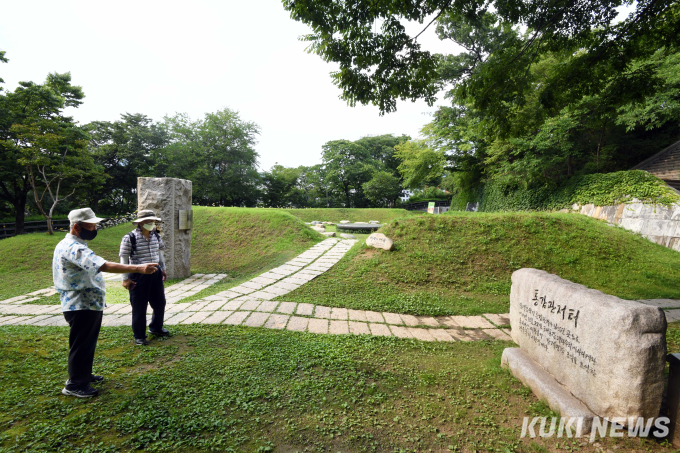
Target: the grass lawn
(236, 241)
(383, 215)
(461, 263)
(221, 388)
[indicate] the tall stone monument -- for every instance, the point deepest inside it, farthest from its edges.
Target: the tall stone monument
(170, 199)
(585, 352)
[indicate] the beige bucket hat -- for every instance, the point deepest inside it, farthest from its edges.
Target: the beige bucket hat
(146, 214)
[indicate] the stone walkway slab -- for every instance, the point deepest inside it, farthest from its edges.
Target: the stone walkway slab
(392, 318)
(297, 324)
(276, 321)
(338, 327)
(305, 309)
(470, 322)
(359, 328)
(339, 313)
(401, 332)
(380, 330)
(236, 318)
(499, 320)
(441, 335)
(427, 321)
(322, 312)
(662, 303)
(410, 320)
(286, 307)
(267, 306)
(374, 316)
(420, 334)
(196, 318)
(256, 319)
(317, 325)
(672, 315)
(177, 318)
(217, 317)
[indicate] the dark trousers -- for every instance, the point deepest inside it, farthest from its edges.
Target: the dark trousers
(82, 342)
(149, 290)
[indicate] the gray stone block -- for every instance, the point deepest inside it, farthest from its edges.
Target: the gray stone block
(609, 352)
(166, 197)
(545, 387)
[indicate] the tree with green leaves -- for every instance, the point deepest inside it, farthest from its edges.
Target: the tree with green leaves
(383, 190)
(217, 153)
(280, 187)
(31, 111)
(348, 167)
(57, 163)
(420, 165)
(125, 149)
(380, 63)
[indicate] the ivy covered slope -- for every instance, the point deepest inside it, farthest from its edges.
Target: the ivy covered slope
(461, 263)
(383, 215)
(237, 241)
(601, 189)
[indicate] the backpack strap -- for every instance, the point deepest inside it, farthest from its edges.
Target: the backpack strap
(133, 242)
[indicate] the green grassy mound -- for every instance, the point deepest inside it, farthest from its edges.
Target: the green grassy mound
(237, 241)
(461, 263)
(382, 215)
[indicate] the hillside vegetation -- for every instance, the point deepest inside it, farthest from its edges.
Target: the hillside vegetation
(461, 263)
(236, 241)
(383, 215)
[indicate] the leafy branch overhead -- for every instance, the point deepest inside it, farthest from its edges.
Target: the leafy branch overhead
(380, 63)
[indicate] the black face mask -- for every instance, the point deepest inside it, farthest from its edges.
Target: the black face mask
(87, 235)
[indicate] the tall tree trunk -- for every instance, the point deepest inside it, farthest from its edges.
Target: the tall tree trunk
(19, 212)
(569, 170)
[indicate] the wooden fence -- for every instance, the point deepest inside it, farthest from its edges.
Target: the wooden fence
(9, 230)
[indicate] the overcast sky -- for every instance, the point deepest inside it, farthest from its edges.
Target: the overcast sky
(162, 57)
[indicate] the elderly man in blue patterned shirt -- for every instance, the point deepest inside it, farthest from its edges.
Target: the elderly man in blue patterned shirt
(76, 271)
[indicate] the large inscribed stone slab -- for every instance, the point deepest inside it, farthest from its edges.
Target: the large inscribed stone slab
(166, 197)
(608, 352)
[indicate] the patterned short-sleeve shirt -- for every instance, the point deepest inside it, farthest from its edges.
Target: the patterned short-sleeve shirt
(75, 270)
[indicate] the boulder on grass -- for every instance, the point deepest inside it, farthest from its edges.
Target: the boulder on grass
(330, 234)
(347, 236)
(380, 241)
(345, 221)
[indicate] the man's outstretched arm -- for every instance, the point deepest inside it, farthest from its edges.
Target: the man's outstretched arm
(117, 268)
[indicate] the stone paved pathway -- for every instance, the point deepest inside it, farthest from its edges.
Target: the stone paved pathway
(249, 304)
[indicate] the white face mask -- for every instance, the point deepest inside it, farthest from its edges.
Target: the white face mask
(149, 226)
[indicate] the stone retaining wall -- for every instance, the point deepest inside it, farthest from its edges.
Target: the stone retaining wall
(655, 222)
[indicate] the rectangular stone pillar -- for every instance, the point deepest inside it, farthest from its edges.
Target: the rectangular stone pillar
(166, 197)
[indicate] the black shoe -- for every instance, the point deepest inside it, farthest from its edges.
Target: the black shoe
(141, 342)
(88, 392)
(94, 378)
(162, 333)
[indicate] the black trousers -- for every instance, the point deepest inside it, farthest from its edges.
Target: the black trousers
(82, 341)
(148, 290)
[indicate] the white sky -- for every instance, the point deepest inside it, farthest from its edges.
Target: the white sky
(162, 57)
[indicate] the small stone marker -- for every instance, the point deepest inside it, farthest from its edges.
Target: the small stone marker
(330, 234)
(380, 241)
(347, 236)
(585, 352)
(373, 221)
(345, 221)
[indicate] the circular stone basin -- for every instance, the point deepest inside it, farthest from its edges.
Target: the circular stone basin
(358, 226)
